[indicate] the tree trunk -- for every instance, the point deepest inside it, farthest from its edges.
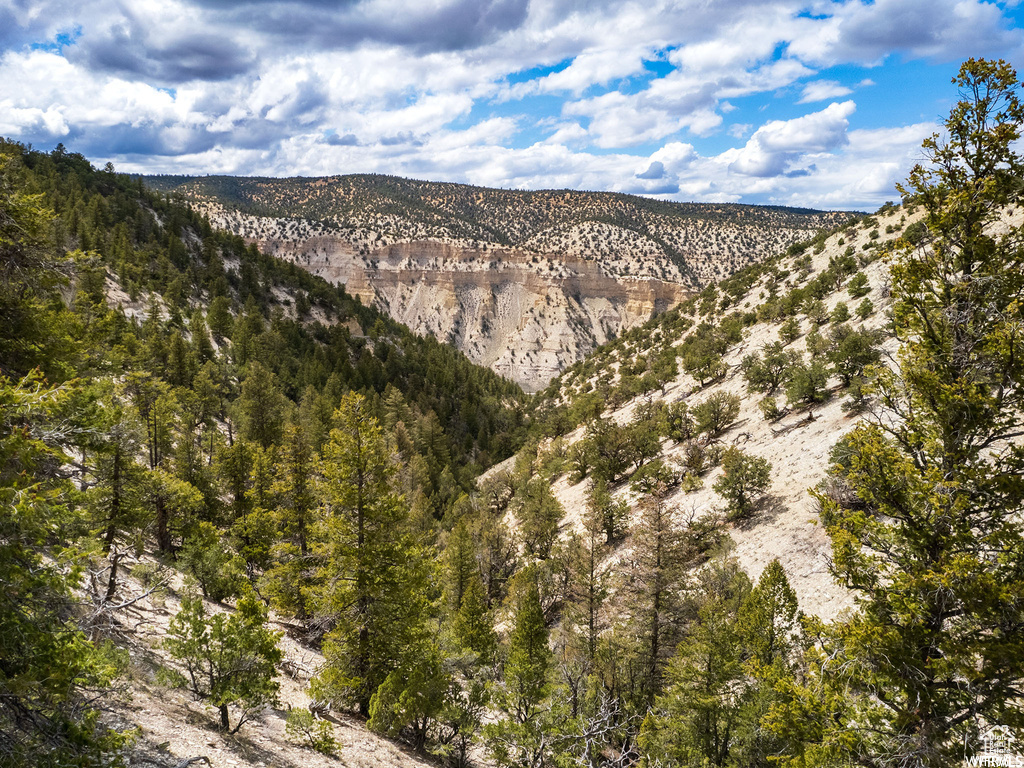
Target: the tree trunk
(112, 581)
(163, 533)
(115, 503)
(224, 717)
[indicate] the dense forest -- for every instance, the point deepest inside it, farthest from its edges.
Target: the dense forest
(167, 390)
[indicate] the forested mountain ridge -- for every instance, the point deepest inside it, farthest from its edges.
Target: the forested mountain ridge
(164, 383)
(525, 283)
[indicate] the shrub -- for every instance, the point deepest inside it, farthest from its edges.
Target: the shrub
(771, 410)
(816, 312)
(691, 482)
(840, 314)
(858, 286)
(205, 557)
(808, 384)
(228, 658)
(714, 415)
(864, 309)
(790, 331)
(653, 475)
(678, 422)
(318, 735)
(769, 373)
(743, 482)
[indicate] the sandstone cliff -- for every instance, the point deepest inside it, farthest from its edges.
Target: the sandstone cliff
(525, 283)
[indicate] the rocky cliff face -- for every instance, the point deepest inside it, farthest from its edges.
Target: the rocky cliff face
(525, 316)
(526, 283)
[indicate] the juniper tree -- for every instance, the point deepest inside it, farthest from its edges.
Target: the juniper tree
(228, 658)
(933, 547)
(744, 480)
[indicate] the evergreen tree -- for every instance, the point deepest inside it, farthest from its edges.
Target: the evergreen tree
(661, 554)
(472, 625)
(459, 565)
(933, 547)
(521, 737)
(375, 579)
(261, 406)
(48, 668)
(743, 482)
(118, 499)
(230, 659)
(588, 588)
(702, 710)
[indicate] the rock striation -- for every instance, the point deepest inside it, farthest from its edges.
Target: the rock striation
(525, 283)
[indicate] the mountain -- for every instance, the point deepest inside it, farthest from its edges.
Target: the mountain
(245, 515)
(525, 283)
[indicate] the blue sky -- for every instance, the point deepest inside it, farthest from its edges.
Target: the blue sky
(821, 104)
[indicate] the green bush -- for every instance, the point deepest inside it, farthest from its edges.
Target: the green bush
(206, 558)
(714, 415)
(744, 481)
(771, 410)
(790, 331)
(858, 286)
(318, 735)
(865, 309)
(228, 658)
(808, 384)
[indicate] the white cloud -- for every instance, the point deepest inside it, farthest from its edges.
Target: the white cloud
(779, 144)
(208, 86)
(945, 30)
(822, 90)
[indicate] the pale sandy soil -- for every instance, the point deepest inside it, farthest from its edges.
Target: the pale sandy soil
(787, 526)
(174, 726)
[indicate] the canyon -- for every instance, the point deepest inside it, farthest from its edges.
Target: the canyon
(524, 283)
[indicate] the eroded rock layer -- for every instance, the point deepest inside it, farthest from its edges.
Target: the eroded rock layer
(526, 283)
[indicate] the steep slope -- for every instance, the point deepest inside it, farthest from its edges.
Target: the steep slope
(525, 283)
(628, 381)
(160, 380)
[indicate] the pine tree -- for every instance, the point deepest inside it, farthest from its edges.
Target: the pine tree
(47, 665)
(520, 738)
(661, 554)
(375, 579)
(933, 546)
(261, 406)
(119, 497)
(529, 657)
(702, 710)
(473, 627)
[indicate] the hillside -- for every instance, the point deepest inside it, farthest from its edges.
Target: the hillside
(525, 283)
(655, 368)
(165, 394)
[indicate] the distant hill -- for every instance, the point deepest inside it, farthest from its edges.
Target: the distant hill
(524, 282)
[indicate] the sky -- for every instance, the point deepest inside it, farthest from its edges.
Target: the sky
(818, 104)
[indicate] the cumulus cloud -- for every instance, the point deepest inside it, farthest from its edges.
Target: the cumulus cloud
(656, 170)
(822, 90)
(451, 25)
(348, 140)
(946, 30)
(776, 145)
